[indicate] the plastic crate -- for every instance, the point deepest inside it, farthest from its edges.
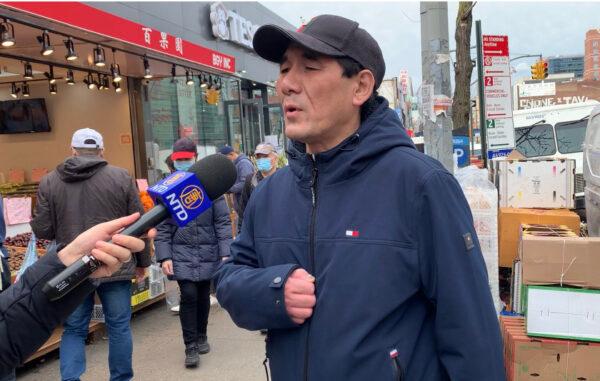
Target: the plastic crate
(157, 288)
(98, 313)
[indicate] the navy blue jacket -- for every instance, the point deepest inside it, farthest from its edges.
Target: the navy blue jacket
(197, 248)
(389, 237)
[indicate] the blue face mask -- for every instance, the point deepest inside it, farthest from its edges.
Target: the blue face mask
(263, 164)
(183, 165)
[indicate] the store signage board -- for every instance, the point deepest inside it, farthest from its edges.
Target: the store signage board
(497, 93)
(90, 19)
(230, 26)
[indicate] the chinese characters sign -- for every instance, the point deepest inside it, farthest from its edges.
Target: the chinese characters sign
(93, 20)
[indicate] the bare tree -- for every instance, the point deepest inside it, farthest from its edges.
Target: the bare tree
(463, 66)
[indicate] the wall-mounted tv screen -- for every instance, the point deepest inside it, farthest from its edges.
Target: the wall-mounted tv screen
(23, 115)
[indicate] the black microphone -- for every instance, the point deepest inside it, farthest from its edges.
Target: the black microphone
(216, 174)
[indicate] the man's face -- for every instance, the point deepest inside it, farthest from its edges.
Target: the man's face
(317, 99)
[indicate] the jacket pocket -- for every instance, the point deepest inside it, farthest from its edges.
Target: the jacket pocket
(397, 369)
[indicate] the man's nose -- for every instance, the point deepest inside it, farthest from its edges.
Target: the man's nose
(289, 83)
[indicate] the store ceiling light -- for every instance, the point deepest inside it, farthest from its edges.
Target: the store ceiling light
(100, 82)
(115, 70)
(203, 83)
(106, 83)
(14, 91)
(47, 47)
(99, 56)
(25, 89)
(70, 77)
(50, 74)
(71, 55)
(89, 81)
(53, 88)
(210, 82)
(147, 73)
(27, 71)
(117, 86)
(189, 80)
(7, 34)
(173, 73)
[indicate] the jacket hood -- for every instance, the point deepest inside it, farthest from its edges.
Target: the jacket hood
(380, 132)
(78, 168)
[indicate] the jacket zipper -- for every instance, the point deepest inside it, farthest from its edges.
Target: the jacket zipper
(313, 189)
(398, 371)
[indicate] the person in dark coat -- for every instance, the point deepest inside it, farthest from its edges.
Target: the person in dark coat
(28, 317)
(81, 192)
(244, 168)
(360, 257)
(191, 255)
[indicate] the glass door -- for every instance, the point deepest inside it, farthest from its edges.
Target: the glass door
(253, 123)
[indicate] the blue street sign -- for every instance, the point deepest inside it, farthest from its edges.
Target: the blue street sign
(183, 195)
(461, 149)
(498, 153)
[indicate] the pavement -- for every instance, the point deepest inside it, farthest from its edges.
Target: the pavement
(158, 352)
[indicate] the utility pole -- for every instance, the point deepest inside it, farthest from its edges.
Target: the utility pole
(482, 126)
(436, 72)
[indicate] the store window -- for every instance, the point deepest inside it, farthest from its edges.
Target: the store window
(172, 110)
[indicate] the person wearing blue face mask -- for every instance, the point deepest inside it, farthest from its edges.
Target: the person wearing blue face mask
(184, 154)
(266, 163)
(190, 255)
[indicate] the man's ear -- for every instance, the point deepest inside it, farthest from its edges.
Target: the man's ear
(364, 88)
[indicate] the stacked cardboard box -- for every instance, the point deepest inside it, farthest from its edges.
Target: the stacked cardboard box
(528, 358)
(511, 219)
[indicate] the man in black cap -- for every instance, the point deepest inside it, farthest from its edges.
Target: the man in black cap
(360, 257)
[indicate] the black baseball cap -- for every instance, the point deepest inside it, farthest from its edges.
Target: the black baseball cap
(184, 148)
(329, 35)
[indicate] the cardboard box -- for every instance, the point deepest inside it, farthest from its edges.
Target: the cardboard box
(567, 261)
(563, 313)
(535, 183)
(510, 220)
(140, 292)
(527, 358)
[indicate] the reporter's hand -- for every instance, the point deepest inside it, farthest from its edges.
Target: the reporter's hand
(299, 295)
(111, 255)
(167, 267)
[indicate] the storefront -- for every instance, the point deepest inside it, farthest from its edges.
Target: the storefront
(179, 79)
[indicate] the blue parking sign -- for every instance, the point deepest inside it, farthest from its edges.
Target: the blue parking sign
(461, 149)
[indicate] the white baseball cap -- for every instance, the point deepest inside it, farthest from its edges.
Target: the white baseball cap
(87, 138)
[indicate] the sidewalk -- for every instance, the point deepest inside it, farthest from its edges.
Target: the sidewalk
(158, 353)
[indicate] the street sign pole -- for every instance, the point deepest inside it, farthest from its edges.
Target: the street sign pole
(482, 127)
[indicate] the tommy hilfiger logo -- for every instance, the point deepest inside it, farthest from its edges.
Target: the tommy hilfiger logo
(352, 233)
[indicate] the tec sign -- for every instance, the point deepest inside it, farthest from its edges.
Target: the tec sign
(228, 25)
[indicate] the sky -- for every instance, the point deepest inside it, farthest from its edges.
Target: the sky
(547, 28)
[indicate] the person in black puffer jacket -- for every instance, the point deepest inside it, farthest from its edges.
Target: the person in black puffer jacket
(191, 255)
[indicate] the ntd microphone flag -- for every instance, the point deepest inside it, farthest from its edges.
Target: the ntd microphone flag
(183, 195)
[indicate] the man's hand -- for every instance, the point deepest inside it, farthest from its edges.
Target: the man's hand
(111, 255)
(299, 294)
(140, 274)
(167, 267)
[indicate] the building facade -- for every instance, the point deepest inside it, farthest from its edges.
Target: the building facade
(592, 55)
(566, 64)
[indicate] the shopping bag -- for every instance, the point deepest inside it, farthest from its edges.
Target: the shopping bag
(30, 256)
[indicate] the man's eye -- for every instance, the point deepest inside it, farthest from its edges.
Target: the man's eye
(311, 68)
(284, 70)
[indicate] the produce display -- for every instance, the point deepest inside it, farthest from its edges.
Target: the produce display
(22, 240)
(146, 200)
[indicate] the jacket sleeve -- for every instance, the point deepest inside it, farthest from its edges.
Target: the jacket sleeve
(222, 224)
(246, 168)
(27, 317)
(42, 222)
(135, 205)
(454, 279)
(164, 240)
(252, 295)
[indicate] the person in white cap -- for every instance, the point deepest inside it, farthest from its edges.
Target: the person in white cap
(81, 192)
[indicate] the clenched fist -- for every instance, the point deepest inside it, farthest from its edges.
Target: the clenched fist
(299, 294)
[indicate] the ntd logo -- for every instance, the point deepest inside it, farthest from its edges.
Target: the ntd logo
(183, 195)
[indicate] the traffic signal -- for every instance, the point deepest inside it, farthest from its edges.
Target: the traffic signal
(539, 70)
(544, 69)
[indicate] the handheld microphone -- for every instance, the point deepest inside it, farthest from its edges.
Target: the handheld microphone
(182, 195)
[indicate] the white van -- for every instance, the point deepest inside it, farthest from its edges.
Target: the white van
(555, 131)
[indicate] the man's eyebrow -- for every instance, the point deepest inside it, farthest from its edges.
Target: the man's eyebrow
(284, 59)
(310, 55)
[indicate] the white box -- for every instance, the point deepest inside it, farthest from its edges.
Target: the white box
(535, 183)
(565, 313)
